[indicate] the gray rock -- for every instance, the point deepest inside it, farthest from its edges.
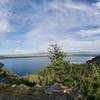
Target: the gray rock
(14, 85)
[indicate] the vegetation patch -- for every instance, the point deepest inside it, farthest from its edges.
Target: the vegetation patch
(80, 81)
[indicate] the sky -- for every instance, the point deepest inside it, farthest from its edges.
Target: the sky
(29, 26)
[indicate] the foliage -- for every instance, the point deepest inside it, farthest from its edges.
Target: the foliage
(56, 54)
(86, 77)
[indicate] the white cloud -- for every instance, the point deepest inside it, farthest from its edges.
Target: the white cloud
(89, 32)
(97, 5)
(4, 1)
(17, 51)
(62, 6)
(50, 25)
(75, 45)
(53, 29)
(4, 26)
(4, 16)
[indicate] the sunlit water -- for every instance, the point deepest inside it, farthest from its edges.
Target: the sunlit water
(23, 66)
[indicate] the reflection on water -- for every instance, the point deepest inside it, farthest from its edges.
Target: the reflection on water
(22, 66)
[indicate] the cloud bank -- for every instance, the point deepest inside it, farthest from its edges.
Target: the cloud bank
(32, 25)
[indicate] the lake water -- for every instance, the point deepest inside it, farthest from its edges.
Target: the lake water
(23, 66)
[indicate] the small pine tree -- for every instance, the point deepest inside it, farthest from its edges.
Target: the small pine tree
(56, 54)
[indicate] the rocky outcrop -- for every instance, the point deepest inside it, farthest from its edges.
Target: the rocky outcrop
(23, 92)
(95, 60)
(71, 93)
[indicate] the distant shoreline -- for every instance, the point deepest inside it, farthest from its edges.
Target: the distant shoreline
(21, 57)
(16, 57)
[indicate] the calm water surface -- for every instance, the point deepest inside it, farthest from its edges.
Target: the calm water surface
(23, 66)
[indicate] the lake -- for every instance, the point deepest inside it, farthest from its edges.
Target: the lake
(23, 66)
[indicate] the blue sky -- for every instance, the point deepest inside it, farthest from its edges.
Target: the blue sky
(32, 25)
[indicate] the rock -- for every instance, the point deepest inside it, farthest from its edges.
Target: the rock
(14, 85)
(54, 88)
(4, 85)
(95, 60)
(22, 87)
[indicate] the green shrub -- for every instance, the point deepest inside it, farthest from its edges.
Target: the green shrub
(86, 77)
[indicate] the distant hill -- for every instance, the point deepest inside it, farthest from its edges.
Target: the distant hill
(46, 54)
(95, 60)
